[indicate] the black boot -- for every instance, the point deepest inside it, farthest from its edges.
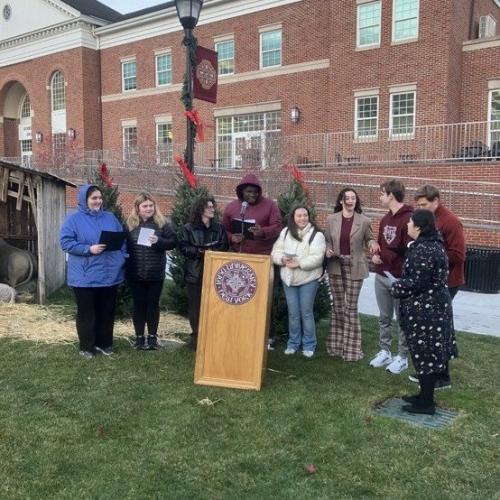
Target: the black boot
(152, 343)
(413, 399)
(139, 342)
(424, 404)
(418, 408)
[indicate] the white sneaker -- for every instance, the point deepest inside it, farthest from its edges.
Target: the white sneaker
(308, 354)
(398, 365)
(289, 351)
(382, 358)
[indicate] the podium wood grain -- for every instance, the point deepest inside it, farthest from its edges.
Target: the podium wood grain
(232, 338)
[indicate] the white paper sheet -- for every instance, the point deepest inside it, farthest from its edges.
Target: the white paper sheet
(144, 235)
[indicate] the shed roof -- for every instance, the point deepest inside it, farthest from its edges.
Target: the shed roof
(44, 175)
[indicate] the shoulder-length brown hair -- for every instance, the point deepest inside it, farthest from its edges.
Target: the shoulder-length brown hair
(292, 226)
(341, 197)
(133, 219)
(198, 208)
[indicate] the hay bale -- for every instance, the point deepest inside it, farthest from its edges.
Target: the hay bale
(54, 324)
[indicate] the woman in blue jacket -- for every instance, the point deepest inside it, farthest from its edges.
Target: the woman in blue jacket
(93, 273)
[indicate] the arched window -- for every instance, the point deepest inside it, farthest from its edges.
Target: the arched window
(26, 107)
(58, 91)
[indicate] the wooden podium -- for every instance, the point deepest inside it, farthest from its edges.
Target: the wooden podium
(234, 320)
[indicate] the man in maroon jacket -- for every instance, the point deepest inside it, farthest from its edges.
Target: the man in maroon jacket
(266, 220)
(392, 240)
(454, 243)
(252, 206)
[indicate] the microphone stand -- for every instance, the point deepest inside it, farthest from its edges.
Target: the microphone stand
(242, 227)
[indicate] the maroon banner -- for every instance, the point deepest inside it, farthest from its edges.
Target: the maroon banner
(205, 75)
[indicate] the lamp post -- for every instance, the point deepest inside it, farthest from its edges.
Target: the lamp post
(188, 12)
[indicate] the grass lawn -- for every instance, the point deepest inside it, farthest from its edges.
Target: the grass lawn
(130, 426)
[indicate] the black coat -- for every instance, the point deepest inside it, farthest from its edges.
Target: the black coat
(196, 238)
(148, 263)
(426, 314)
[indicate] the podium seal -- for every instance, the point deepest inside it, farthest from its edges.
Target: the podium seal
(235, 282)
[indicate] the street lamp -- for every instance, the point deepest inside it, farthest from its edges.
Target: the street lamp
(188, 12)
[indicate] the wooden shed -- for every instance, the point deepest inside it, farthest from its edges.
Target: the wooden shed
(32, 208)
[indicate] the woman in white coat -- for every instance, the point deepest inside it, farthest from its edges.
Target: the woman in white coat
(299, 251)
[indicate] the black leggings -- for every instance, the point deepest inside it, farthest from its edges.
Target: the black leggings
(95, 316)
(427, 383)
(194, 300)
(146, 295)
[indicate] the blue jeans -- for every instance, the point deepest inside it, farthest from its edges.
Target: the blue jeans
(301, 325)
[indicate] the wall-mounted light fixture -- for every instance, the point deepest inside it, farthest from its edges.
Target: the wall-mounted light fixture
(295, 114)
(38, 137)
(71, 133)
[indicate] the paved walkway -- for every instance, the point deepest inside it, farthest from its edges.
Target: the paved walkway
(473, 312)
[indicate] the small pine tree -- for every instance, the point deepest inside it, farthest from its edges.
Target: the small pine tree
(176, 299)
(297, 194)
(101, 178)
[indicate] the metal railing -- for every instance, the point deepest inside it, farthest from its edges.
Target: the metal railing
(458, 142)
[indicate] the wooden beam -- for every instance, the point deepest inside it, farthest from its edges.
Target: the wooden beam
(32, 198)
(20, 192)
(4, 183)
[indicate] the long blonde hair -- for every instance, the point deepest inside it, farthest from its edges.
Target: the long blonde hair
(133, 219)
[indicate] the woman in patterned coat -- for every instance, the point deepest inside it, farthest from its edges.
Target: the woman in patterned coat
(425, 308)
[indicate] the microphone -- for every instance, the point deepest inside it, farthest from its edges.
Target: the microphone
(243, 208)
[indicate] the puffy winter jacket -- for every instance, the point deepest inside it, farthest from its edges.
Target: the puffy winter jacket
(194, 238)
(79, 232)
(148, 263)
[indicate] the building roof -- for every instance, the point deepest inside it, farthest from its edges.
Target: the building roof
(95, 9)
(149, 10)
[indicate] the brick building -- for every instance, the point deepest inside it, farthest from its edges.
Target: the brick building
(345, 88)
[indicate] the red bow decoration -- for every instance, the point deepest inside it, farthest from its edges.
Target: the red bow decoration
(297, 175)
(188, 175)
(195, 117)
(104, 175)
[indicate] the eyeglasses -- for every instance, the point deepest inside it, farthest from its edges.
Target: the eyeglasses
(210, 207)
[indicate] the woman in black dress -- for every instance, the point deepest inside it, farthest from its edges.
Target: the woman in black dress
(425, 308)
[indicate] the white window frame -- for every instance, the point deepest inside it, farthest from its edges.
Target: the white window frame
(360, 5)
(402, 136)
(362, 95)
(25, 99)
(123, 63)
(52, 100)
(408, 39)
(159, 151)
(264, 31)
(490, 121)
(218, 42)
(157, 56)
(268, 119)
(128, 151)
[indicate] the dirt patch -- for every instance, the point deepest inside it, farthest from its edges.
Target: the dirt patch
(53, 324)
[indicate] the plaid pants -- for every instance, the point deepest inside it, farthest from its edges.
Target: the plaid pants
(345, 331)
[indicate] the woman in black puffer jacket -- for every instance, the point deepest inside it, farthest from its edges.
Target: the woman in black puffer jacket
(201, 234)
(146, 265)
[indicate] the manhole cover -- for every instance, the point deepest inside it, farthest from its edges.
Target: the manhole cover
(392, 408)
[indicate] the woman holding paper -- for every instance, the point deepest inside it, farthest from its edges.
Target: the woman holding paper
(348, 236)
(299, 251)
(202, 233)
(148, 237)
(94, 273)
